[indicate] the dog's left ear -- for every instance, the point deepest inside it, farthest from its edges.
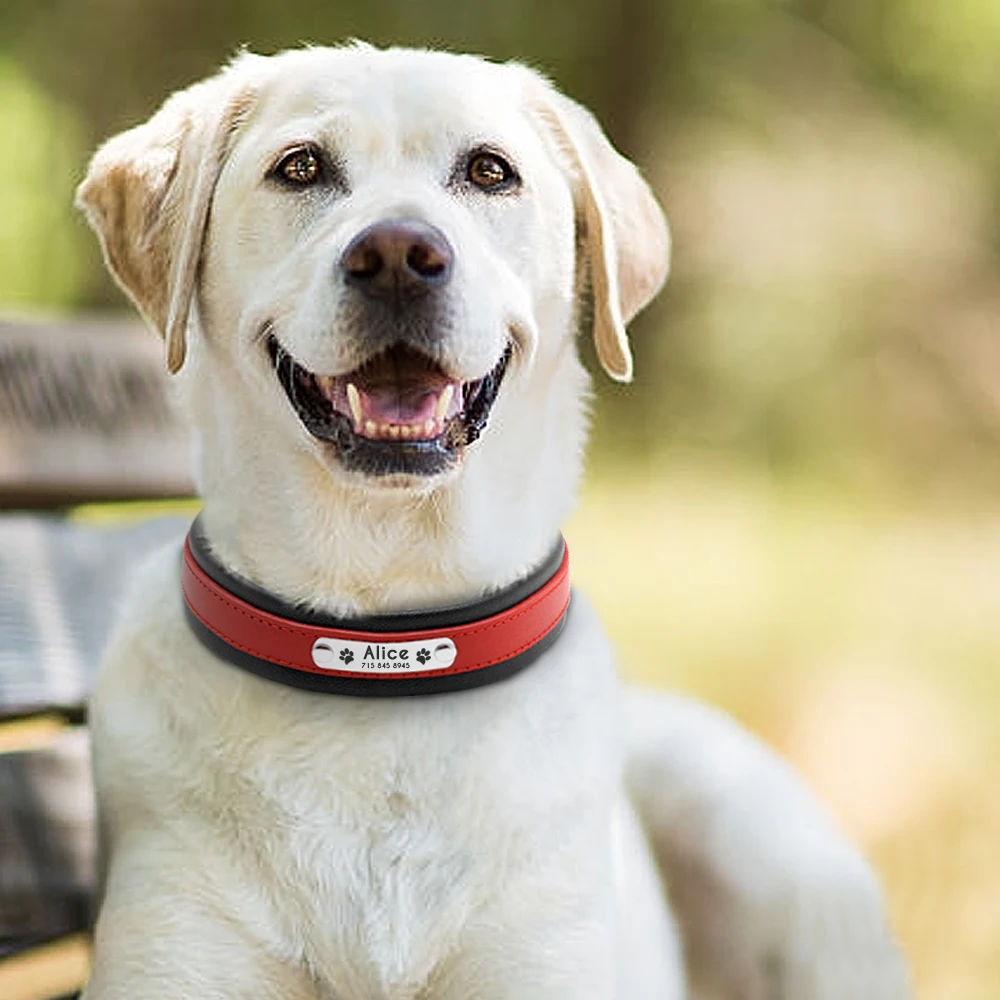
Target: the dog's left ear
(622, 230)
(147, 194)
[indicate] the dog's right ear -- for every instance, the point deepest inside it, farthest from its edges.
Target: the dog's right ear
(148, 192)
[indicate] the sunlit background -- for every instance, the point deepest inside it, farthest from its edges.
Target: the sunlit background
(796, 503)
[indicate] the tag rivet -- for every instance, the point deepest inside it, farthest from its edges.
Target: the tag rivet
(445, 652)
(323, 653)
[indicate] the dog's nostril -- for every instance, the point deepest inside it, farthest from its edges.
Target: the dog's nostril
(398, 255)
(362, 261)
(426, 260)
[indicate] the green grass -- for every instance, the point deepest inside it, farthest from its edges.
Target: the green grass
(135, 510)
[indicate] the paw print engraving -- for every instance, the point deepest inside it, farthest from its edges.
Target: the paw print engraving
(346, 655)
(423, 655)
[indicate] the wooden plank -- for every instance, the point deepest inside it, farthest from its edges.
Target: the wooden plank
(31, 733)
(50, 970)
(86, 414)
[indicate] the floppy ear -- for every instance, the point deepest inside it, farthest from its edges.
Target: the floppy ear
(147, 194)
(625, 240)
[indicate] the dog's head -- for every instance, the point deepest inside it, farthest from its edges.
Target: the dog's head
(370, 251)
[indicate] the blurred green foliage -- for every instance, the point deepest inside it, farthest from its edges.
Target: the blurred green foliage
(830, 168)
(41, 257)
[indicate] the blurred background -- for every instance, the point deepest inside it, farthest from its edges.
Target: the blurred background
(797, 498)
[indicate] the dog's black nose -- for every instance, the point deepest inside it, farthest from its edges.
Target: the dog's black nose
(397, 259)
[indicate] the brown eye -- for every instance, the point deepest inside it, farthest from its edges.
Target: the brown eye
(490, 172)
(300, 167)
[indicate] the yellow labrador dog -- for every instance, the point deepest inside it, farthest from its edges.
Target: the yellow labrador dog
(368, 267)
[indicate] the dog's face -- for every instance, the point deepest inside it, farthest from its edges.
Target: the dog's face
(399, 247)
(377, 249)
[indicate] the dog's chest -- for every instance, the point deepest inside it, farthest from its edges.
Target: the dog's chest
(385, 890)
(380, 840)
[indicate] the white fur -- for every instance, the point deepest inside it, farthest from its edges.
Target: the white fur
(267, 842)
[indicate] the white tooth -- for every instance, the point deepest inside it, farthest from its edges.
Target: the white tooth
(370, 427)
(404, 431)
(429, 426)
(444, 401)
(354, 400)
(390, 429)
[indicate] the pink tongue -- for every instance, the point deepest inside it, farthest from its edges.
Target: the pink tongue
(389, 405)
(408, 411)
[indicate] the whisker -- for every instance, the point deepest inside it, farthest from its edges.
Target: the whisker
(265, 331)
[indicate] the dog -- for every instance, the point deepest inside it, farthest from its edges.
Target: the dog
(369, 268)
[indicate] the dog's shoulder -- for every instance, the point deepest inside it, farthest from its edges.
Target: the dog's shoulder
(149, 672)
(150, 620)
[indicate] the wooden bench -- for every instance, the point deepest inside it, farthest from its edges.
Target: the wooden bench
(85, 417)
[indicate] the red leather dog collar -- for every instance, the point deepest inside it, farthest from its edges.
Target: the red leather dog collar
(410, 653)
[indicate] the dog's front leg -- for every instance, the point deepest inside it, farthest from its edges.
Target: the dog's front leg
(774, 904)
(161, 934)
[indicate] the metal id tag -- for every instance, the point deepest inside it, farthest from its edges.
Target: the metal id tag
(384, 658)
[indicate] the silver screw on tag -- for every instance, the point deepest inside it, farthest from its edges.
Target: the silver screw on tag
(323, 653)
(445, 652)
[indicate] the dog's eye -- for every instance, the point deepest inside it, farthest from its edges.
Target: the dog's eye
(490, 172)
(300, 166)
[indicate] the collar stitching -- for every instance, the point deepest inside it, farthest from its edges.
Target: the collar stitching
(526, 607)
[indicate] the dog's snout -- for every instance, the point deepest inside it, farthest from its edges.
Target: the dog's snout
(398, 256)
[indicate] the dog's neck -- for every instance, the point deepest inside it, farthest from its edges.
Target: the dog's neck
(376, 552)
(356, 548)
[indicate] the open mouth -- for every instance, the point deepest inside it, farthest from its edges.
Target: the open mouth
(400, 412)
